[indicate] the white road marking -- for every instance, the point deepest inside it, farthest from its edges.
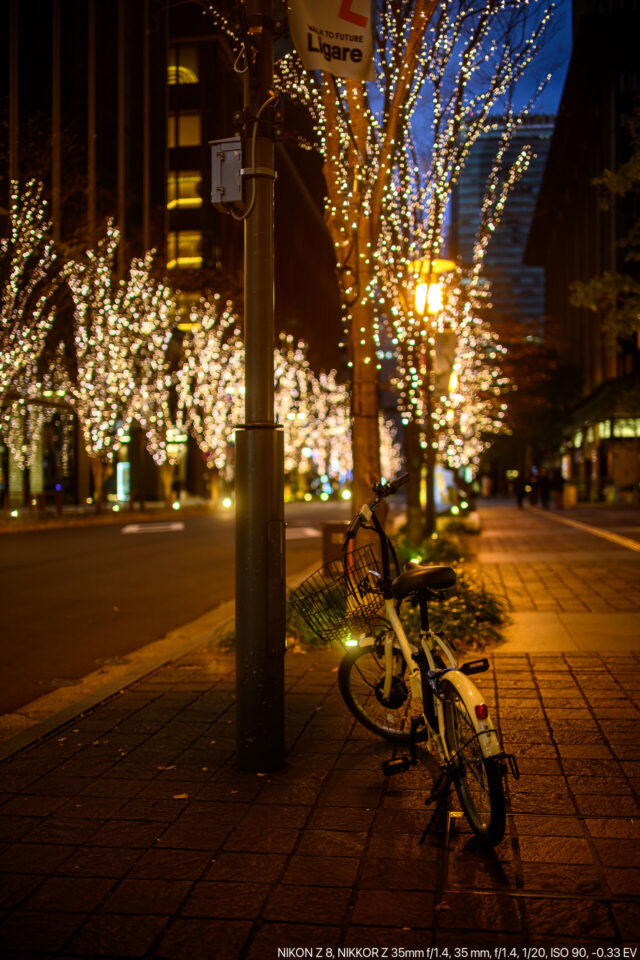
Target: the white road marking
(597, 532)
(302, 533)
(153, 528)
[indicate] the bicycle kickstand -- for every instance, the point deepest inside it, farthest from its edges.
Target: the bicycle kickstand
(439, 795)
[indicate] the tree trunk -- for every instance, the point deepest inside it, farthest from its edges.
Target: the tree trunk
(430, 459)
(365, 403)
(141, 470)
(413, 450)
(99, 476)
(166, 477)
(349, 226)
(214, 488)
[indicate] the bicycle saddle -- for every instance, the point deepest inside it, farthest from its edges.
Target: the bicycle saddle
(433, 578)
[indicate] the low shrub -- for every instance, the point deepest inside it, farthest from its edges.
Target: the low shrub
(468, 614)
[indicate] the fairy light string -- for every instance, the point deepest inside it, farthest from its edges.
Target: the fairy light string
(400, 143)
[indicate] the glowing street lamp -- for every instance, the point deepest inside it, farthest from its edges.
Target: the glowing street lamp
(428, 292)
(428, 298)
(428, 301)
(430, 268)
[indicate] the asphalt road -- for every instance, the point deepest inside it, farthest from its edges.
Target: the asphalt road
(71, 598)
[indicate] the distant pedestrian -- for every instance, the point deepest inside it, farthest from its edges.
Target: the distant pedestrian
(558, 487)
(518, 489)
(532, 490)
(544, 487)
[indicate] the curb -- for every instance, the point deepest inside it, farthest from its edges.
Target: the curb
(42, 728)
(201, 634)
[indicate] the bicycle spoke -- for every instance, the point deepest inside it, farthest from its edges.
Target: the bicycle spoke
(478, 781)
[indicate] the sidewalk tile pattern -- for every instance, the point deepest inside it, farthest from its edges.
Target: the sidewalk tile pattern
(197, 859)
(130, 833)
(557, 578)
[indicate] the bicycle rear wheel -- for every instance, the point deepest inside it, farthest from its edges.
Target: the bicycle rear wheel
(478, 779)
(361, 681)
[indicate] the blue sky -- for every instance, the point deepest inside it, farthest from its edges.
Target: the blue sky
(554, 60)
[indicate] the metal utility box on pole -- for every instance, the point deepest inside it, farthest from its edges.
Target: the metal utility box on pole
(260, 573)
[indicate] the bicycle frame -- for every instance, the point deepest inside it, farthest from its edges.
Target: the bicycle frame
(469, 693)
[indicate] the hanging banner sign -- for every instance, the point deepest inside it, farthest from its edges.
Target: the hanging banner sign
(334, 35)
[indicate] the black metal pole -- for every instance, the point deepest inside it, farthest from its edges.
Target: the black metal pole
(260, 577)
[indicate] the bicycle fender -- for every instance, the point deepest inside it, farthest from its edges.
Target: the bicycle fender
(471, 697)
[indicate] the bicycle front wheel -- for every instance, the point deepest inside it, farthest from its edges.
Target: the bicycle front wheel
(361, 680)
(478, 779)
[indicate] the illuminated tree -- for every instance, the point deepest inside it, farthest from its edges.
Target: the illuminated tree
(457, 57)
(469, 405)
(121, 329)
(448, 376)
(151, 308)
(330, 427)
(38, 399)
(294, 402)
(101, 393)
(315, 411)
(29, 267)
(21, 425)
(165, 435)
(210, 382)
(391, 459)
(29, 287)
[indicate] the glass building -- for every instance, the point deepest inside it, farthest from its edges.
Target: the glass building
(517, 292)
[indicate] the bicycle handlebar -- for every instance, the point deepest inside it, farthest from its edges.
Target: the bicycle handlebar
(388, 489)
(381, 491)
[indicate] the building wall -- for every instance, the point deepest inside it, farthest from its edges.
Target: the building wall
(517, 292)
(574, 238)
(102, 120)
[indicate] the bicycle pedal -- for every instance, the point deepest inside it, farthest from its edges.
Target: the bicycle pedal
(396, 765)
(474, 666)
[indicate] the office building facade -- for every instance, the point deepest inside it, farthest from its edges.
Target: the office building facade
(574, 237)
(517, 291)
(112, 105)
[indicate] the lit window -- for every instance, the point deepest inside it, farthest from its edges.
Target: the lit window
(182, 65)
(183, 190)
(604, 429)
(184, 130)
(184, 249)
(626, 428)
(185, 303)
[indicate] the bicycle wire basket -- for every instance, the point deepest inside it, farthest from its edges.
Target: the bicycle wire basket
(340, 600)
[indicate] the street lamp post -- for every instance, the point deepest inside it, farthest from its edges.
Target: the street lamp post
(428, 302)
(260, 577)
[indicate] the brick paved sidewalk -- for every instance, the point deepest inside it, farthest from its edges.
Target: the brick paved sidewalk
(129, 833)
(568, 589)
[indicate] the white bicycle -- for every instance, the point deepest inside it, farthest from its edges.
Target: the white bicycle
(408, 690)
